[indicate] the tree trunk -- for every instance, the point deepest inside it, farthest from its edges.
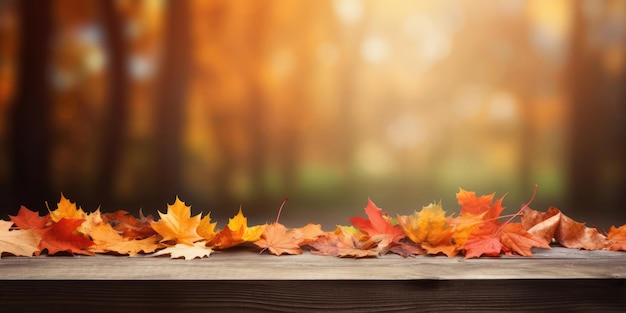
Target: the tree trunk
(597, 131)
(30, 116)
(171, 101)
(118, 86)
(256, 116)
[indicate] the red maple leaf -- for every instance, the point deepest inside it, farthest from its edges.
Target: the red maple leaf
(377, 223)
(61, 237)
(27, 219)
(483, 245)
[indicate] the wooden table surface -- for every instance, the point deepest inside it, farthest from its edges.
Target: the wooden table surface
(241, 280)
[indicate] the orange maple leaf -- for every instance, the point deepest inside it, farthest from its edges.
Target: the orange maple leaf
(27, 219)
(107, 239)
(279, 241)
(66, 209)
(515, 238)
(178, 225)
(617, 237)
(481, 205)
(429, 225)
(494, 237)
(237, 232)
(310, 232)
(463, 226)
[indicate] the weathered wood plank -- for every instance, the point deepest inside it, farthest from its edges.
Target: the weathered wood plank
(244, 281)
(558, 263)
(314, 296)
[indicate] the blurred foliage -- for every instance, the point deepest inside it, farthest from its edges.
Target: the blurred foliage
(328, 103)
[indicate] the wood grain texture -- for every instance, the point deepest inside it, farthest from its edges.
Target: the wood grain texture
(244, 281)
(314, 296)
(558, 263)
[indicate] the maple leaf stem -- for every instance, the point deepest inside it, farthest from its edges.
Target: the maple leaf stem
(281, 208)
(520, 212)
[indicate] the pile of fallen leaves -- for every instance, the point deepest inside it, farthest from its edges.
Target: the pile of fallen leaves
(477, 230)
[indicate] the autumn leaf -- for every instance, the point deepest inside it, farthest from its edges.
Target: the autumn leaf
(377, 223)
(567, 232)
(279, 241)
(27, 219)
(484, 206)
(177, 224)
(495, 237)
(107, 239)
(463, 226)
(237, 232)
(478, 205)
(483, 245)
(449, 250)
(92, 220)
(308, 233)
(128, 225)
(617, 237)
(542, 224)
(66, 209)
(61, 236)
(196, 250)
(343, 242)
(515, 238)
(406, 248)
(429, 225)
(227, 238)
(23, 242)
(206, 229)
(572, 234)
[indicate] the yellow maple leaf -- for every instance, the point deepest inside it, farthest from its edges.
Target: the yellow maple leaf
(429, 225)
(177, 224)
(66, 209)
(350, 231)
(206, 229)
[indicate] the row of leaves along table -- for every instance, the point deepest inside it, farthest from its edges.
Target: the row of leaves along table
(244, 281)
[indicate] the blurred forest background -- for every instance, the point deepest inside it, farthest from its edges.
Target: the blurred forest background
(126, 104)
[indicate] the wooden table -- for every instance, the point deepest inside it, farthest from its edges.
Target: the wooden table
(553, 280)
